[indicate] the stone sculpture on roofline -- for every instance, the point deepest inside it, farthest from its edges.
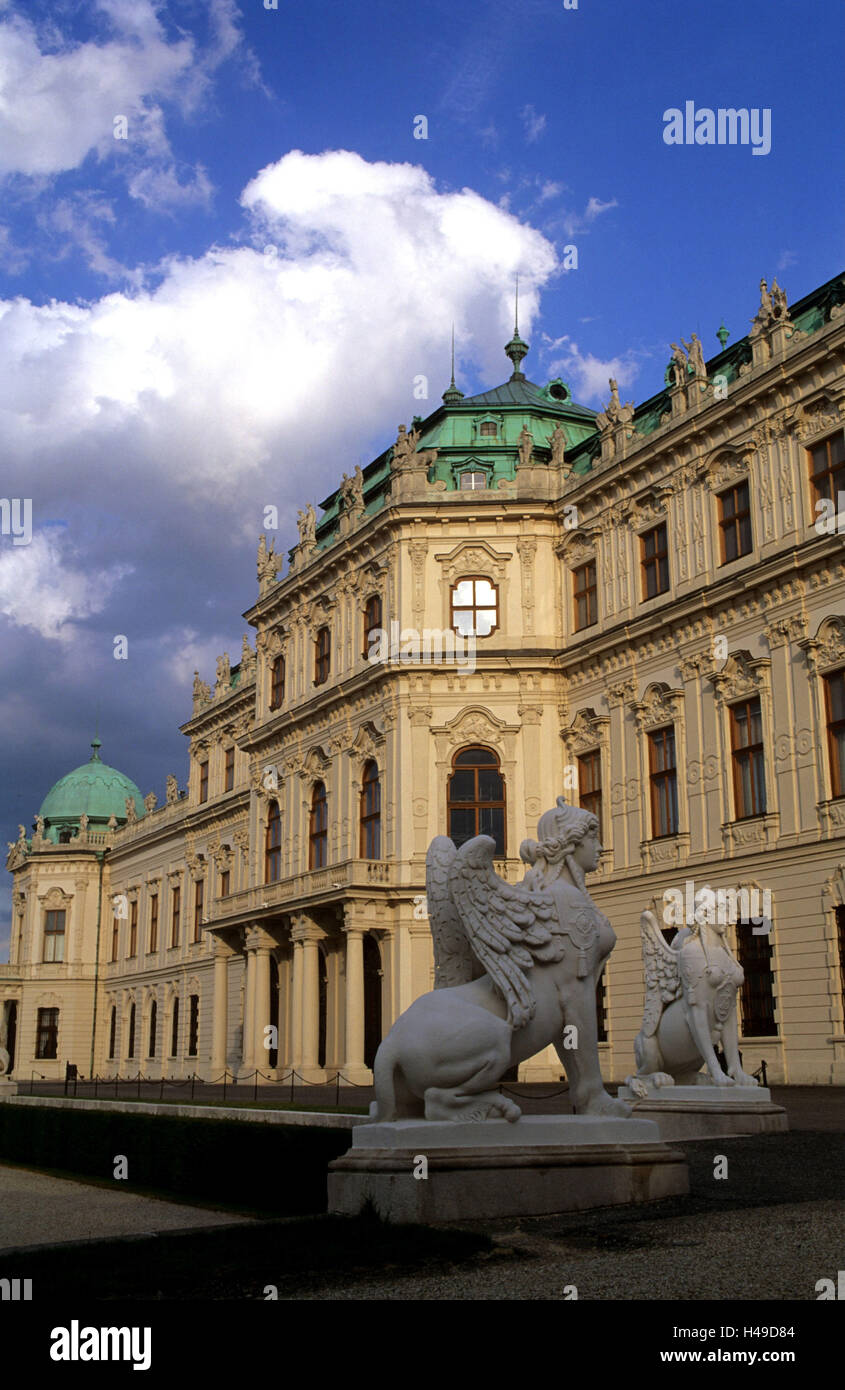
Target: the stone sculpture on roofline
(515, 964)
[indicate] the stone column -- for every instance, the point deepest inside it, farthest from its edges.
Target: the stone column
(354, 1068)
(308, 934)
(295, 1052)
(248, 1060)
(261, 1008)
(220, 1006)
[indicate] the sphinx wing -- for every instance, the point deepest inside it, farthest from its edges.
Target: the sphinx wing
(509, 926)
(454, 962)
(662, 977)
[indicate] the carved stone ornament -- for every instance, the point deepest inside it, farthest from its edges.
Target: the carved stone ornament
(741, 675)
(202, 693)
(473, 557)
(827, 649)
(787, 629)
(724, 467)
(659, 705)
(587, 731)
(131, 811)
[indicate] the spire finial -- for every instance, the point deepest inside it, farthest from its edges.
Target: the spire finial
(96, 745)
(452, 394)
(722, 334)
(516, 348)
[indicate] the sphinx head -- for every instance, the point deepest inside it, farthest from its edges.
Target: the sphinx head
(564, 833)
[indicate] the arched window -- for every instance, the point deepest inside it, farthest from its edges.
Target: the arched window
(153, 1028)
(372, 621)
(476, 797)
(370, 846)
(112, 1030)
(322, 656)
(273, 845)
(475, 605)
(277, 682)
(130, 1050)
(318, 828)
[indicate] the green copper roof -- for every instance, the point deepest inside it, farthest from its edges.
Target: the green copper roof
(522, 392)
(95, 790)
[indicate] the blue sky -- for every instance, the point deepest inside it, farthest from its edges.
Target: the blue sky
(227, 308)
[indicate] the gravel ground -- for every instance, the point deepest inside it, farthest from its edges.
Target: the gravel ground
(36, 1209)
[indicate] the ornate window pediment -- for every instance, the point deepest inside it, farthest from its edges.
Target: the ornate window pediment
(367, 743)
(827, 649)
(588, 730)
(741, 675)
(55, 899)
(659, 705)
(725, 466)
(473, 557)
(316, 763)
(647, 508)
(816, 418)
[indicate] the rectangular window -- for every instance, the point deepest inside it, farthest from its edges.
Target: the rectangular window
(322, 656)
(489, 429)
(748, 762)
(133, 927)
(175, 911)
(655, 561)
(199, 893)
(372, 623)
(664, 783)
(229, 770)
(174, 1030)
(115, 937)
(193, 1025)
(112, 1033)
(589, 783)
(204, 781)
(758, 1002)
(734, 523)
(153, 922)
(277, 682)
(54, 937)
(834, 692)
(47, 1034)
(224, 883)
(827, 468)
(473, 481)
(585, 592)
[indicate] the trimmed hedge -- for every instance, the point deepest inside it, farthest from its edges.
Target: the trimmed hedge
(279, 1169)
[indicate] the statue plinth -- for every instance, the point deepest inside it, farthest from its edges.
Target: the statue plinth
(473, 1170)
(704, 1111)
(8, 1087)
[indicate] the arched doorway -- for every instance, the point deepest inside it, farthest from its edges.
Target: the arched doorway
(372, 998)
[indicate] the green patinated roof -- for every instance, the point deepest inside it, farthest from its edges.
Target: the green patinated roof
(95, 790)
(452, 429)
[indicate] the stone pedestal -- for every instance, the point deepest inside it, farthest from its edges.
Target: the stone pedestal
(704, 1112)
(8, 1087)
(538, 1165)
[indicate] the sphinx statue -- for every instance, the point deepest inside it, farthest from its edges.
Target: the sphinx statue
(690, 1008)
(515, 964)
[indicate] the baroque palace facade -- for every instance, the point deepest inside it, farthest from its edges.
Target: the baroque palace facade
(655, 597)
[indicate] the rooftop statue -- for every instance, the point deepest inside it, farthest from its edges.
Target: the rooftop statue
(557, 444)
(690, 1005)
(307, 525)
(515, 965)
(696, 355)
